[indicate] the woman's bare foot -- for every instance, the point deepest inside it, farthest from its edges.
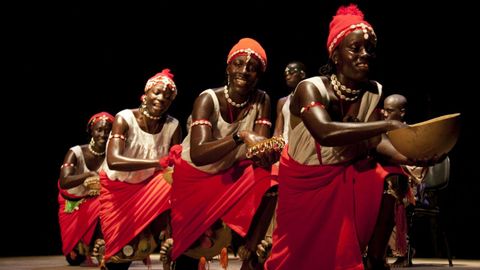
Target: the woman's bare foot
(99, 249)
(263, 249)
(165, 252)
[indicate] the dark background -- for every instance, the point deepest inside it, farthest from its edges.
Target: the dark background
(65, 62)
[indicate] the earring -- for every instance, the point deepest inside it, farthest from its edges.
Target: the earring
(92, 142)
(144, 101)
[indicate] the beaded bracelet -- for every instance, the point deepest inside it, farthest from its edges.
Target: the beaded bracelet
(276, 143)
(201, 122)
(117, 136)
(66, 165)
(311, 105)
(263, 121)
(92, 183)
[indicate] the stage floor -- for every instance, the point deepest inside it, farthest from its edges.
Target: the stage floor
(59, 263)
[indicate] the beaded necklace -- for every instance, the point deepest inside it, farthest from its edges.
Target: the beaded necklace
(340, 89)
(145, 112)
(90, 148)
(229, 100)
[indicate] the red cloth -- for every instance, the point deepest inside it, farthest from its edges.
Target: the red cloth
(199, 199)
(326, 214)
(275, 170)
(126, 209)
(78, 225)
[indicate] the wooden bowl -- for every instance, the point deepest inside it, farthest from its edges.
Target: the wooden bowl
(426, 139)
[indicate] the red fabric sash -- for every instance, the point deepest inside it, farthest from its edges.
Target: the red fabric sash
(200, 198)
(126, 209)
(326, 214)
(78, 225)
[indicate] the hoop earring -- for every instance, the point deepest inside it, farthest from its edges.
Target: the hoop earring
(92, 142)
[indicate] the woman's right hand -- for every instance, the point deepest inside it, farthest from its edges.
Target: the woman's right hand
(250, 137)
(263, 151)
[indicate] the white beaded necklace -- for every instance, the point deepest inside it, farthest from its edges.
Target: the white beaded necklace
(340, 88)
(95, 152)
(233, 103)
(145, 112)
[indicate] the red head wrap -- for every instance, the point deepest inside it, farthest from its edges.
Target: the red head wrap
(348, 19)
(97, 117)
(248, 46)
(165, 78)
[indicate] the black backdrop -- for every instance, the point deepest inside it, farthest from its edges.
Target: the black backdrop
(69, 61)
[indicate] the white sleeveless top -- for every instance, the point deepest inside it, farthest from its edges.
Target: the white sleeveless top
(81, 190)
(302, 146)
(143, 145)
(286, 118)
(222, 129)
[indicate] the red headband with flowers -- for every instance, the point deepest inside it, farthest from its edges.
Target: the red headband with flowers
(165, 78)
(348, 19)
(97, 117)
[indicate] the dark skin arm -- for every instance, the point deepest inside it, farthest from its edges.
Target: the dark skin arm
(386, 149)
(334, 133)
(264, 112)
(205, 149)
(116, 146)
(268, 157)
(68, 178)
(177, 136)
(279, 122)
(383, 146)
